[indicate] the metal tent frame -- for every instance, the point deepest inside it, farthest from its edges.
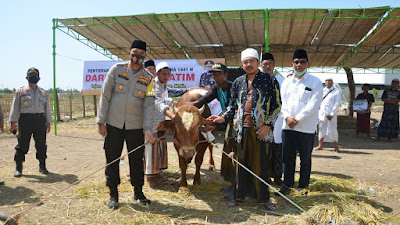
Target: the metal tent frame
(363, 38)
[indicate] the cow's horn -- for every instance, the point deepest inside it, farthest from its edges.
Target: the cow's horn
(201, 110)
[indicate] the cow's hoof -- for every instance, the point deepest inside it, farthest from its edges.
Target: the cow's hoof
(183, 189)
(196, 182)
(211, 167)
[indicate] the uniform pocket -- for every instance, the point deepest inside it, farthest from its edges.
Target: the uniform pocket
(42, 100)
(305, 96)
(140, 90)
(26, 101)
(121, 85)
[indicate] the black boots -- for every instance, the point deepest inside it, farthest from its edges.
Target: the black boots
(18, 170)
(139, 196)
(113, 204)
(42, 167)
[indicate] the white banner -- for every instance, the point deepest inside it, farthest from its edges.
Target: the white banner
(360, 104)
(185, 73)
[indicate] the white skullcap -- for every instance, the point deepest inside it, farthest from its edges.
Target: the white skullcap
(161, 65)
(250, 52)
(329, 78)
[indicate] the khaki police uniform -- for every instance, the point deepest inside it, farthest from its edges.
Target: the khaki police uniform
(127, 107)
(30, 108)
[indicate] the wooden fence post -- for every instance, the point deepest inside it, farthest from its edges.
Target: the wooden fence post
(58, 106)
(70, 104)
(83, 105)
(95, 105)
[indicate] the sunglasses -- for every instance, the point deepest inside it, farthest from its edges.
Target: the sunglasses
(300, 62)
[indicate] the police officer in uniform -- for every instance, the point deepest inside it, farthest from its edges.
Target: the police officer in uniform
(30, 108)
(126, 115)
(206, 79)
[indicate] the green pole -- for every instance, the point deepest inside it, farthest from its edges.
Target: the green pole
(266, 30)
(54, 76)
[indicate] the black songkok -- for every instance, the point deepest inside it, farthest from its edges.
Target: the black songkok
(139, 44)
(267, 56)
(300, 54)
(149, 63)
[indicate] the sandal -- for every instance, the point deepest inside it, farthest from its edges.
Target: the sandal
(231, 204)
(270, 206)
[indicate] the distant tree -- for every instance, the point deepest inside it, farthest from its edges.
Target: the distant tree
(352, 85)
(375, 92)
(7, 91)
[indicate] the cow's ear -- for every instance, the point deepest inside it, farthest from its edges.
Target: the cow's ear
(166, 125)
(206, 122)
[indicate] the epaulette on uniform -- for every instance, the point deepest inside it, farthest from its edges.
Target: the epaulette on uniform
(123, 64)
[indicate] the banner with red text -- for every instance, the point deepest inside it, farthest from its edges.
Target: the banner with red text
(185, 73)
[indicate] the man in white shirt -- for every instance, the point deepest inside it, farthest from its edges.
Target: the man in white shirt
(327, 115)
(301, 97)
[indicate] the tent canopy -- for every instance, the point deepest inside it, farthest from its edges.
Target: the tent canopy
(364, 38)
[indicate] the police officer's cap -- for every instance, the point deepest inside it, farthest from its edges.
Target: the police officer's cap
(139, 44)
(32, 70)
(219, 67)
(209, 63)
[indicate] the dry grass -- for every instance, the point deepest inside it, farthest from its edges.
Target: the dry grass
(335, 200)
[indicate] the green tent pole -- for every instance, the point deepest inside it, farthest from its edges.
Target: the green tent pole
(54, 77)
(266, 30)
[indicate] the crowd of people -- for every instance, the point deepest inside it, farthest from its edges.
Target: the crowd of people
(270, 120)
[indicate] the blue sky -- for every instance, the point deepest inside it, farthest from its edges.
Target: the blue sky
(26, 31)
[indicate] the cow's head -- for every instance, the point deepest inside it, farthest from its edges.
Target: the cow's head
(186, 126)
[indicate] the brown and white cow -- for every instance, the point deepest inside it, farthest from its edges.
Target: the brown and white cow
(188, 141)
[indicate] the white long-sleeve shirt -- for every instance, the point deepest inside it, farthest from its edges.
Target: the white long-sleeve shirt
(301, 99)
(330, 104)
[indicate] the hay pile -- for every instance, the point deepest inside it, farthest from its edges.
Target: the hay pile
(334, 200)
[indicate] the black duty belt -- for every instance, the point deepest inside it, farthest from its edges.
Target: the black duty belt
(32, 115)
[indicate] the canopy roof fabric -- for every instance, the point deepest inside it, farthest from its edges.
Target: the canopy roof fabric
(365, 38)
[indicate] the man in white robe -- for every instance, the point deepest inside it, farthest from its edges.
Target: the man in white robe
(327, 115)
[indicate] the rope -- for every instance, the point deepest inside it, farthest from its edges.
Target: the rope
(270, 186)
(16, 216)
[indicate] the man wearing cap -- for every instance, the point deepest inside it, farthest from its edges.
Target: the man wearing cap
(301, 98)
(268, 66)
(30, 108)
(327, 115)
(126, 115)
(1, 131)
(150, 66)
(363, 116)
(221, 91)
(254, 107)
(389, 125)
(206, 79)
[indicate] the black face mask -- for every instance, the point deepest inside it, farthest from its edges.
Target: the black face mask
(33, 79)
(137, 59)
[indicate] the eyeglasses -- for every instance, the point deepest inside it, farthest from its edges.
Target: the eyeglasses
(300, 62)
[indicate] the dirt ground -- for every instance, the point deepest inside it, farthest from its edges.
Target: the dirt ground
(77, 152)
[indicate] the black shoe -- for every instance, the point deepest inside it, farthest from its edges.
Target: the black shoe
(1, 182)
(278, 181)
(284, 190)
(18, 174)
(43, 170)
(113, 204)
(139, 196)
